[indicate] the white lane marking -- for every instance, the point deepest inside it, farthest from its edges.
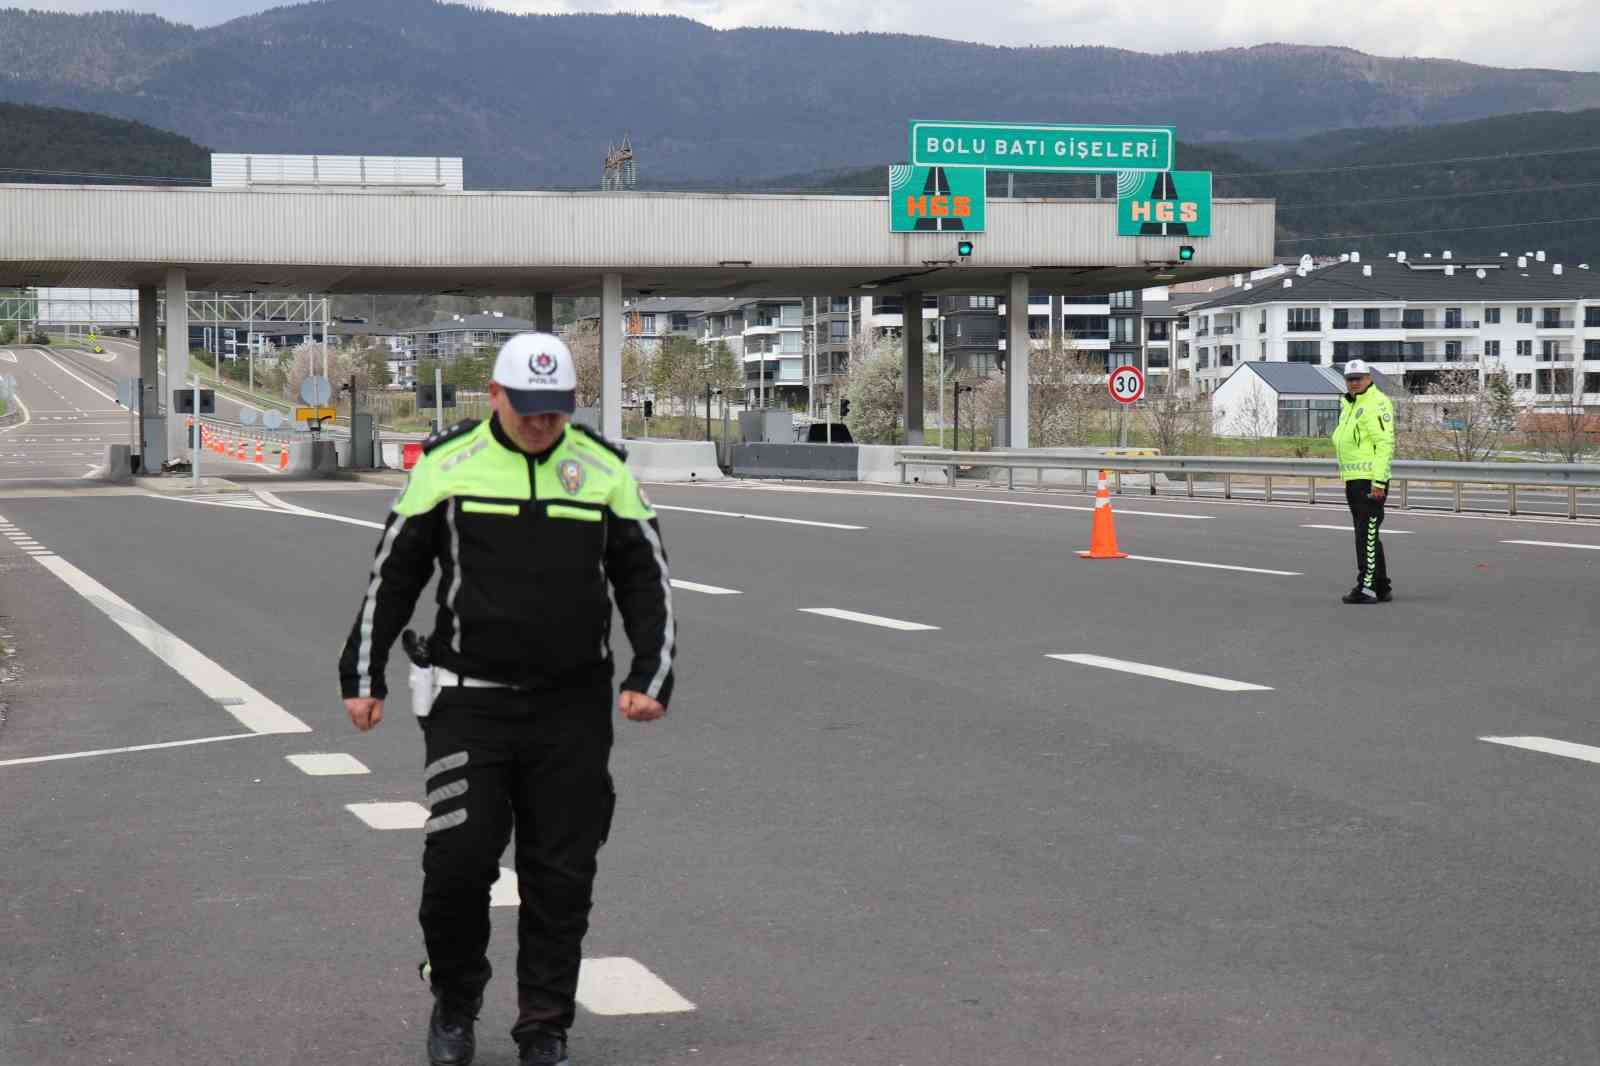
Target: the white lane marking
(8, 356)
(293, 508)
(709, 590)
(1554, 544)
(756, 517)
(326, 764)
(26, 415)
(1549, 747)
(121, 751)
(1211, 566)
(92, 388)
(253, 710)
(1352, 529)
(406, 815)
(624, 986)
(967, 499)
(1182, 677)
(503, 893)
(867, 619)
(93, 470)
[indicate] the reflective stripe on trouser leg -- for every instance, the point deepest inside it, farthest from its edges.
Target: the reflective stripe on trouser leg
(1371, 567)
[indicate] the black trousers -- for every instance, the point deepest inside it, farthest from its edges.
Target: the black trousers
(535, 763)
(1371, 570)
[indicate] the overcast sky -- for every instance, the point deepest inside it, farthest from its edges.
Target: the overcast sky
(1529, 33)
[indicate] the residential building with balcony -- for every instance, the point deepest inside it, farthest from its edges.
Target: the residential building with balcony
(1536, 322)
(464, 334)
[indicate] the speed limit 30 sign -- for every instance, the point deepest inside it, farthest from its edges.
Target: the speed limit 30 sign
(1126, 384)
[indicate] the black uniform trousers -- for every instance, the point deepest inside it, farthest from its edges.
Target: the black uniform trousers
(1371, 570)
(503, 760)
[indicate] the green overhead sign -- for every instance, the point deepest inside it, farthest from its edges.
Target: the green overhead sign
(1016, 146)
(935, 200)
(1172, 204)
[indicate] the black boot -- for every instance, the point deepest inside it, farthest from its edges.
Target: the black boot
(544, 1049)
(450, 1037)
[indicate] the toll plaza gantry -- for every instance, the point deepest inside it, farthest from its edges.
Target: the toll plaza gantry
(544, 244)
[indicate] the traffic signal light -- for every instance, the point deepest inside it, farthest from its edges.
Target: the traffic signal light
(1186, 253)
(844, 408)
(649, 409)
(964, 249)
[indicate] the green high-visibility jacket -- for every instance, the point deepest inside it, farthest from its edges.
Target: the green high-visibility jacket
(525, 546)
(1364, 438)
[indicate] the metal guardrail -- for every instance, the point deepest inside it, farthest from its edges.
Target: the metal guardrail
(1569, 476)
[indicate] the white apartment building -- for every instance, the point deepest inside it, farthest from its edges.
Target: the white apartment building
(1535, 321)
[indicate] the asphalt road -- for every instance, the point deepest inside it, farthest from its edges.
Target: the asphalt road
(856, 839)
(69, 418)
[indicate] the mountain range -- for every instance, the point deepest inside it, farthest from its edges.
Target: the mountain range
(536, 99)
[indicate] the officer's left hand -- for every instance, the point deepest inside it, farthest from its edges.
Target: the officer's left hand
(1377, 494)
(637, 707)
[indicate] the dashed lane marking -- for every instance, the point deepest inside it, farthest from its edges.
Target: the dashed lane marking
(405, 815)
(503, 893)
(1211, 566)
(967, 499)
(121, 751)
(867, 619)
(1182, 677)
(1554, 544)
(1352, 529)
(757, 517)
(709, 590)
(616, 986)
(327, 764)
(1549, 747)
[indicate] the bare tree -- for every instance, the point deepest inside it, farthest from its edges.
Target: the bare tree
(1176, 423)
(876, 388)
(1469, 417)
(583, 341)
(1253, 416)
(1562, 429)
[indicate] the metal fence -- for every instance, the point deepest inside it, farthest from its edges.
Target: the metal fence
(1404, 473)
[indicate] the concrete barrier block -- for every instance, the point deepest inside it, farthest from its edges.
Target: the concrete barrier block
(799, 462)
(875, 463)
(313, 459)
(118, 464)
(673, 460)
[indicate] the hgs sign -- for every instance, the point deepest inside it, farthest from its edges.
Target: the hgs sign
(936, 200)
(1174, 203)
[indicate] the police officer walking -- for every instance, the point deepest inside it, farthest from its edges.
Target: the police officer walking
(1364, 442)
(527, 518)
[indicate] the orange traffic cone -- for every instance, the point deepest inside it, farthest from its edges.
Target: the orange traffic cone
(1103, 536)
(261, 455)
(283, 458)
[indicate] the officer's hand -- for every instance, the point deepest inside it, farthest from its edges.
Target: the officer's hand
(1377, 494)
(637, 707)
(364, 711)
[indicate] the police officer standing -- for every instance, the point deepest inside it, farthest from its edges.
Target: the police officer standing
(1364, 442)
(527, 518)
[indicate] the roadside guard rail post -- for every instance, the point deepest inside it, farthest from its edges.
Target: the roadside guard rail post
(1568, 476)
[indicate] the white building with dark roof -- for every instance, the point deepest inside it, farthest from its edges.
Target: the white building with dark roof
(1537, 322)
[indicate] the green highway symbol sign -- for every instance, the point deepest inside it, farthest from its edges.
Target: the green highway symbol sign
(1172, 204)
(1013, 146)
(936, 200)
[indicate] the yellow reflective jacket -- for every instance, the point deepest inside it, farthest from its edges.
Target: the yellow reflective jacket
(1364, 438)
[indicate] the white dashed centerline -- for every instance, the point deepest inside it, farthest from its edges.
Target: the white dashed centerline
(618, 986)
(1211, 566)
(867, 619)
(405, 815)
(757, 517)
(1352, 529)
(1554, 544)
(1549, 747)
(1182, 677)
(327, 764)
(709, 590)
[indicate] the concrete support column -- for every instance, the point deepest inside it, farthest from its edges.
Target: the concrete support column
(611, 355)
(1017, 352)
(177, 356)
(544, 312)
(911, 337)
(152, 426)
